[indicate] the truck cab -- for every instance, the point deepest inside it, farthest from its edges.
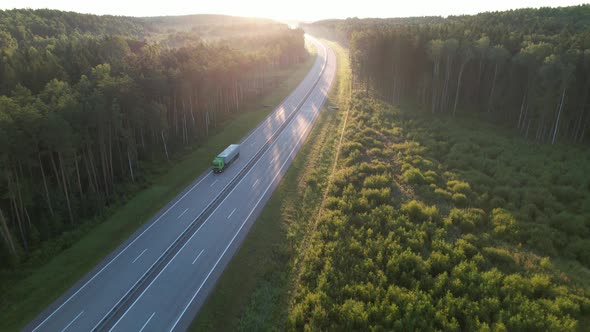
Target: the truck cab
(218, 165)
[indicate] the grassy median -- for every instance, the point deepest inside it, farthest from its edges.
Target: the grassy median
(253, 293)
(41, 285)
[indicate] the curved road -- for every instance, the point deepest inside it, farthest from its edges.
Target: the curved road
(128, 292)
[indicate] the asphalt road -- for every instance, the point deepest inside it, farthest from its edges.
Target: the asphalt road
(172, 297)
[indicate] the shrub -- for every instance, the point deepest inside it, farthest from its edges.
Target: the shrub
(419, 212)
(569, 224)
(334, 203)
(348, 147)
(544, 238)
(422, 163)
(500, 257)
(431, 177)
(460, 200)
(531, 212)
(565, 194)
(375, 167)
(442, 193)
(353, 158)
(497, 202)
(377, 196)
(359, 205)
(354, 314)
(377, 152)
(413, 176)
(505, 193)
(459, 186)
(539, 197)
(438, 263)
(503, 221)
(467, 219)
(377, 181)
(580, 250)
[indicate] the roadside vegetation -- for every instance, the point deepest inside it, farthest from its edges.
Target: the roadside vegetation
(461, 197)
(254, 292)
(59, 252)
(446, 224)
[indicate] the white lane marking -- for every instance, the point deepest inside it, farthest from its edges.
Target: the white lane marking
(146, 323)
(182, 214)
(199, 255)
(231, 214)
(73, 320)
(122, 251)
(295, 94)
(214, 182)
(135, 260)
(255, 183)
(240, 229)
(205, 222)
(157, 276)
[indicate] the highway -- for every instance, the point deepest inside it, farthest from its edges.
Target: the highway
(159, 278)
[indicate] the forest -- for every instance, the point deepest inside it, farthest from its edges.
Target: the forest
(89, 104)
(528, 69)
(461, 197)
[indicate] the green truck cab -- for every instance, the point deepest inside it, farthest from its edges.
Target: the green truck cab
(225, 158)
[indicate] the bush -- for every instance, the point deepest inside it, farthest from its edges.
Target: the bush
(459, 186)
(497, 202)
(377, 152)
(377, 197)
(540, 197)
(569, 224)
(441, 193)
(579, 249)
(377, 181)
(566, 194)
(544, 239)
(503, 221)
(419, 212)
(460, 200)
(431, 177)
(500, 257)
(349, 147)
(438, 263)
(467, 219)
(413, 176)
(506, 193)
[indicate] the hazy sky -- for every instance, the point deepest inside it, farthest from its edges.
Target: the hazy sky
(295, 9)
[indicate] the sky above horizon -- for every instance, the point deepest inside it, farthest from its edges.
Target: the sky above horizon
(306, 10)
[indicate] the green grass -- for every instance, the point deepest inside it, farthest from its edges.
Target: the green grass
(254, 291)
(40, 286)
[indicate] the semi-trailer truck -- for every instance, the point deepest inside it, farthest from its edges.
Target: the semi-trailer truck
(225, 158)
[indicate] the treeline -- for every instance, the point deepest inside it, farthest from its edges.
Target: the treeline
(422, 230)
(82, 113)
(529, 68)
(25, 24)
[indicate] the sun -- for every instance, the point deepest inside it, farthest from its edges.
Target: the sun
(278, 10)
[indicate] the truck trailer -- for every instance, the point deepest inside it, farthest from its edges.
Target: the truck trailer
(225, 158)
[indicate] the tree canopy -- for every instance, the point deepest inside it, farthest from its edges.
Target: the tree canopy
(86, 101)
(527, 68)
